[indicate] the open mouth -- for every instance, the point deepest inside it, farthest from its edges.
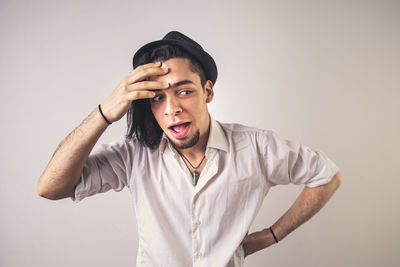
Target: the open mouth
(179, 130)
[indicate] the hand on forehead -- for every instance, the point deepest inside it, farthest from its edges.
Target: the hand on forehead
(177, 72)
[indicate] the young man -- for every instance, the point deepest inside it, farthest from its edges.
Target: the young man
(196, 184)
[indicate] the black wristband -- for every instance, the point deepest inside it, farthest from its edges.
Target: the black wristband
(273, 234)
(104, 117)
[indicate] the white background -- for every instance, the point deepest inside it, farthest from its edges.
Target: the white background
(324, 73)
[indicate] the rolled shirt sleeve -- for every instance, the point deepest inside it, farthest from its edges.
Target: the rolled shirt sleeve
(107, 167)
(290, 162)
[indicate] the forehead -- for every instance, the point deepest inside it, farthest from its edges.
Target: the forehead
(178, 69)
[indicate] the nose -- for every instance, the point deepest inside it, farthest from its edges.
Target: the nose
(172, 106)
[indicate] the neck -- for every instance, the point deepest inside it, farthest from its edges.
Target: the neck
(195, 151)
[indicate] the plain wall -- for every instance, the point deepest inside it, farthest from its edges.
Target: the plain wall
(324, 73)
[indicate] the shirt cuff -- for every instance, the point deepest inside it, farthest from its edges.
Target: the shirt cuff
(326, 176)
(89, 183)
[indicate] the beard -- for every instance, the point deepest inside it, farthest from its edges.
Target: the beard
(189, 143)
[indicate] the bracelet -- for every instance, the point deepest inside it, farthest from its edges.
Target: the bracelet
(104, 117)
(273, 234)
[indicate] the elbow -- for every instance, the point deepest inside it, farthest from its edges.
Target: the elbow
(41, 188)
(44, 191)
(48, 195)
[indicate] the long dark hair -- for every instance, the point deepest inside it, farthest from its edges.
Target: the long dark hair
(142, 124)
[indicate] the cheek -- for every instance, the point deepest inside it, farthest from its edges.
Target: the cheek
(196, 106)
(193, 103)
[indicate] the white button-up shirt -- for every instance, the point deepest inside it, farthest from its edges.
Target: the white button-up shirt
(180, 224)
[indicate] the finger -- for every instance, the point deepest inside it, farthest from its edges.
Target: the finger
(140, 95)
(145, 66)
(147, 85)
(148, 65)
(146, 73)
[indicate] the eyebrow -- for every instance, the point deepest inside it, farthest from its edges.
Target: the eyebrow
(177, 84)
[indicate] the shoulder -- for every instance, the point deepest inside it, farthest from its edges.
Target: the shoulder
(236, 129)
(240, 134)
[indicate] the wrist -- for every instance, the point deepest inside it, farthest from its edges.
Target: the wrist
(257, 241)
(268, 238)
(102, 114)
(273, 235)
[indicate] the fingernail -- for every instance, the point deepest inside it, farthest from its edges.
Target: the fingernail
(166, 84)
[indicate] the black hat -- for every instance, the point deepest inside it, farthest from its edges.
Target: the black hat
(187, 44)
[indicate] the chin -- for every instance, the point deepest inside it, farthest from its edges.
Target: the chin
(186, 142)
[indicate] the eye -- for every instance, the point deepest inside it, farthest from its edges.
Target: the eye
(185, 92)
(158, 98)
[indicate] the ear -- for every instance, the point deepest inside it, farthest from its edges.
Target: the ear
(209, 90)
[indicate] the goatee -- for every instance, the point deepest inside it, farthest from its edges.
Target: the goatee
(188, 143)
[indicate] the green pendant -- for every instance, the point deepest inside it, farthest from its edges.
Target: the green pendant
(195, 177)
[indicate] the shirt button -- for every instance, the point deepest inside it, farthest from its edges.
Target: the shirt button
(199, 254)
(198, 222)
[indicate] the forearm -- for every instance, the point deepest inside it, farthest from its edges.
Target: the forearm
(64, 169)
(309, 202)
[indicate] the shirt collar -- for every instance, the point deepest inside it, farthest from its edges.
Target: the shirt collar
(216, 139)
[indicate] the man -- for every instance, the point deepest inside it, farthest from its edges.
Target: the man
(196, 184)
